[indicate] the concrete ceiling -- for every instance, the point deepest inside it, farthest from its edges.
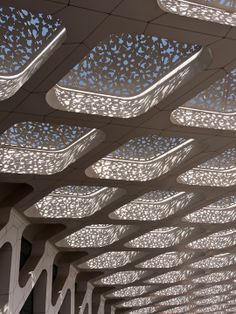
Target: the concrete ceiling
(87, 22)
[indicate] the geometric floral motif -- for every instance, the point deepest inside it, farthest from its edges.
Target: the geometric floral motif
(161, 238)
(142, 159)
(144, 310)
(180, 309)
(218, 240)
(138, 302)
(171, 277)
(122, 277)
(131, 291)
(42, 148)
(218, 11)
(174, 290)
(212, 108)
(95, 236)
(215, 261)
(222, 211)
(212, 299)
(166, 260)
(124, 76)
(72, 202)
(155, 205)
(110, 260)
(176, 301)
(215, 277)
(218, 171)
(214, 290)
(27, 41)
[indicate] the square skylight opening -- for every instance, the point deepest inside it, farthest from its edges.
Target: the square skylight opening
(222, 211)
(231, 302)
(125, 75)
(43, 148)
(174, 290)
(171, 277)
(27, 41)
(95, 236)
(217, 11)
(212, 299)
(216, 289)
(166, 260)
(72, 201)
(137, 302)
(128, 292)
(219, 171)
(154, 205)
(215, 277)
(215, 261)
(142, 158)
(144, 310)
(229, 310)
(122, 278)
(180, 309)
(181, 300)
(218, 240)
(161, 238)
(110, 260)
(212, 108)
(215, 308)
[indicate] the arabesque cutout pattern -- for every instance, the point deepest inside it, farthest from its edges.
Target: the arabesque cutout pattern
(217, 11)
(213, 108)
(27, 41)
(117, 157)
(150, 68)
(142, 159)
(41, 148)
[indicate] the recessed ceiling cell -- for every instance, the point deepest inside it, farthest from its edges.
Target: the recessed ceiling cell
(125, 75)
(216, 261)
(215, 277)
(231, 302)
(110, 260)
(122, 277)
(215, 308)
(144, 310)
(176, 301)
(212, 108)
(222, 211)
(174, 290)
(171, 277)
(230, 310)
(214, 290)
(155, 205)
(131, 291)
(161, 238)
(218, 240)
(213, 299)
(179, 309)
(138, 302)
(167, 260)
(217, 11)
(219, 171)
(27, 41)
(72, 202)
(43, 148)
(142, 158)
(95, 236)
(233, 292)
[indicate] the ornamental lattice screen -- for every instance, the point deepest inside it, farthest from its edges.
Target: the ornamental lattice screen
(117, 156)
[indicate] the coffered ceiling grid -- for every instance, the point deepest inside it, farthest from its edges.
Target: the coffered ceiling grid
(87, 23)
